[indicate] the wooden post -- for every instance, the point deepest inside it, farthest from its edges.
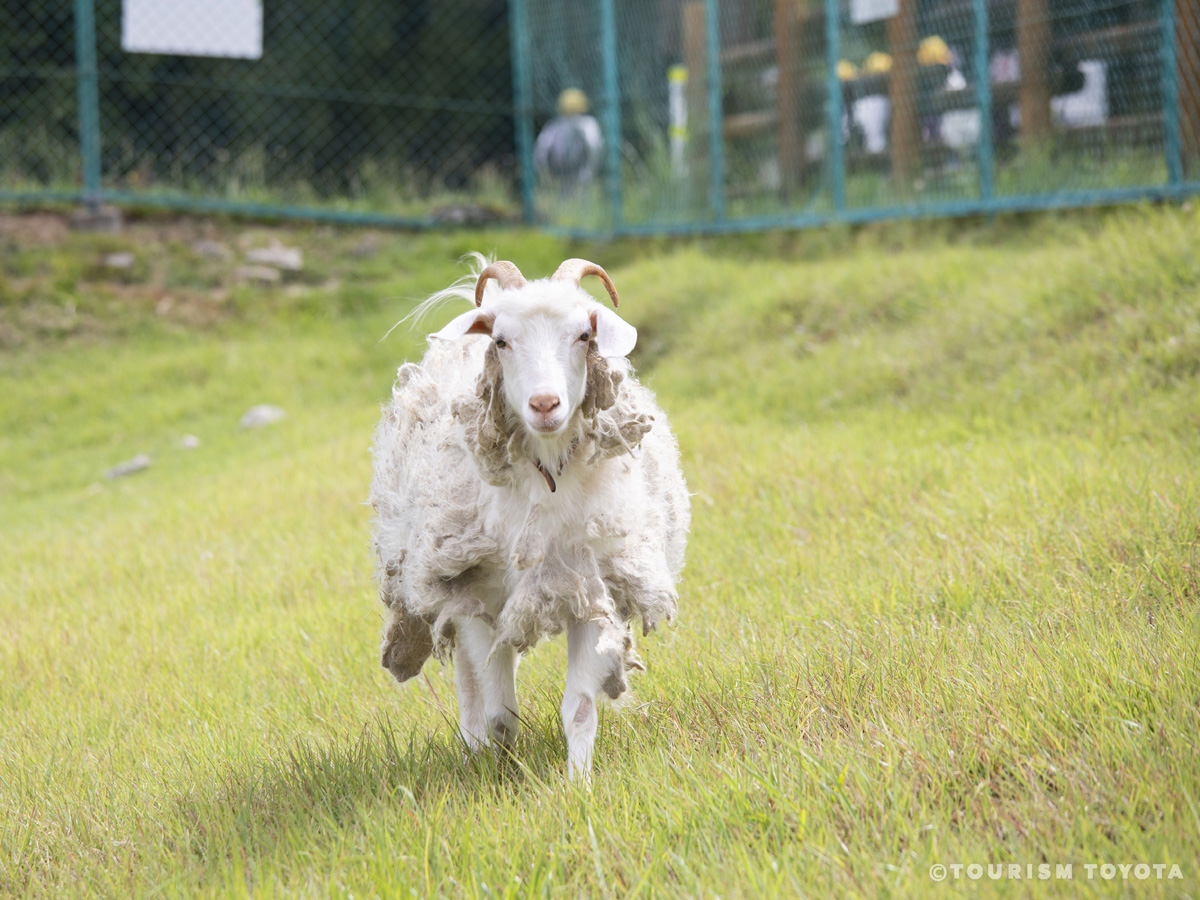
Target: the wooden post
(1034, 37)
(695, 58)
(1187, 42)
(905, 144)
(788, 33)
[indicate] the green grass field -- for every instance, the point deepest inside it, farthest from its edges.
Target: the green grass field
(942, 601)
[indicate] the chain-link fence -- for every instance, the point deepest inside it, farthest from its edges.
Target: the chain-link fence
(753, 113)
(400, 109)
(600, 116)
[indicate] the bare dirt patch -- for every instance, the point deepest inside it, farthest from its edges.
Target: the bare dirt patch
(57, 283)
(34, 229)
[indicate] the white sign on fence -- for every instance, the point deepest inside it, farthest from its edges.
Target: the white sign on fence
(862, 11)
(231, 28)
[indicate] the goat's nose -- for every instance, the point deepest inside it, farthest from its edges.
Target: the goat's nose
(543, 404)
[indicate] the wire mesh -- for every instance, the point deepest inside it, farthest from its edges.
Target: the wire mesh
(748, 113)
(1186, 25)
(39, 149)
(601, 116)
(402, 108)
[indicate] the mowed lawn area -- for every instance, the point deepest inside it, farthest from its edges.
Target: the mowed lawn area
(941, 606)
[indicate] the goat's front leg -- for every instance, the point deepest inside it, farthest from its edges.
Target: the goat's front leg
(487, 690)
(588, 669)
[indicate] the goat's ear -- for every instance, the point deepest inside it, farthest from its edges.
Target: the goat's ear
(474, 322)
(614, 336)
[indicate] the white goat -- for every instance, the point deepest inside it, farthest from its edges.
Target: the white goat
(525, 483)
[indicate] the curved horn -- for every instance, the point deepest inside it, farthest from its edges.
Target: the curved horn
(504, 272)
(575, 270)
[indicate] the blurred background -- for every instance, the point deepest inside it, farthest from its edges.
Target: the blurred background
(600, 117)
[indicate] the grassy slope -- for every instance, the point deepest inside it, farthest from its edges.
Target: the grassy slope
(941, 600)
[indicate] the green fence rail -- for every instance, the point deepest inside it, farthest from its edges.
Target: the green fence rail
(601, 117)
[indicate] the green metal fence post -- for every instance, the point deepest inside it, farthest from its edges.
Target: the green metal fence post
(87, 86)
(522, 109)
(716, 115)
(612, 109)
(833, 50)
(1170, 96)
(983, 99)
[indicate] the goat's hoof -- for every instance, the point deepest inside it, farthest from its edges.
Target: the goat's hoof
(504, 732)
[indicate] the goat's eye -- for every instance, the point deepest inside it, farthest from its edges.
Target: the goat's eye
(586, 336)
(501, 343)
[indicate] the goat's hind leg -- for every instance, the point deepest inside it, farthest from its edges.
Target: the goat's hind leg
(487, 689)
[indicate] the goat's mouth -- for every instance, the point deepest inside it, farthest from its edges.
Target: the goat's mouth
(548, 426)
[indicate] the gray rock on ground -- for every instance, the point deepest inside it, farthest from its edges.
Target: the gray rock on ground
(209, 249)
(119, 260)
(290, 259)
(257, 274)
(263, 414)
(129, 467)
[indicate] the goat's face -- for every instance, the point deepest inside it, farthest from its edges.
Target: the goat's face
(544, 359)
(542, 332)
